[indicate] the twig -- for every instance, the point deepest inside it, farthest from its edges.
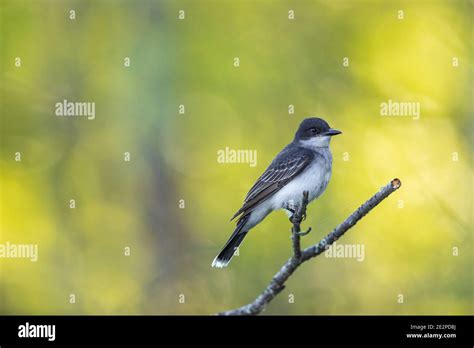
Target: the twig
(296, 219)
(277, 284)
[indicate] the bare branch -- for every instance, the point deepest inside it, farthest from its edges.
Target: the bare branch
(277, 284)
(296, 219)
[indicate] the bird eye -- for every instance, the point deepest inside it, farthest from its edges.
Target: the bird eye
(314, 130)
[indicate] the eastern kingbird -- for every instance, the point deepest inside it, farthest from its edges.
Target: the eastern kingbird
(303, 165)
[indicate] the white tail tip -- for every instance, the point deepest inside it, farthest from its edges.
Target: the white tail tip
(219, 263)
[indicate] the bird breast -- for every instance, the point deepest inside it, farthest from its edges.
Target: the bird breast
(314, 179)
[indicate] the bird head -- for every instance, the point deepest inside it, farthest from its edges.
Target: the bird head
(314, 132)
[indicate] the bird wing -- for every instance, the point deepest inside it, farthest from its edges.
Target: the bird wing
(278, 174)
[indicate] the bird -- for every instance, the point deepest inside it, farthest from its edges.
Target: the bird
(303, 165)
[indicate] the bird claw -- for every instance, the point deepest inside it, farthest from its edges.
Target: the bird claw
(303, 217)
(292, 211)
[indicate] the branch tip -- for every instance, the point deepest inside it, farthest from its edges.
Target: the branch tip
(396, 183)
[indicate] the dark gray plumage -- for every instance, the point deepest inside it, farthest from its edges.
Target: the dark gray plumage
(303, 165)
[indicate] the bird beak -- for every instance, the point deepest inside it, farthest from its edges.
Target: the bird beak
(332, 132)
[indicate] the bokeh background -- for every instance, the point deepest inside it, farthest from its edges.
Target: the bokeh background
(408, 239)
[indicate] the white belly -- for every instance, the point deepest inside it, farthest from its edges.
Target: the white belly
(313, 179)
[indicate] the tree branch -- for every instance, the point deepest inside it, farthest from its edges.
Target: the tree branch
(296, 219)
(277, 284)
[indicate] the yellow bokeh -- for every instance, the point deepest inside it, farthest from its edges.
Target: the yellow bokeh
(143, 233)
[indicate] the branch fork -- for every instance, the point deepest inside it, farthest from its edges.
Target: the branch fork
(277, 284)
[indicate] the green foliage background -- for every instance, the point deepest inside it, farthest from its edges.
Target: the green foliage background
(408, 240)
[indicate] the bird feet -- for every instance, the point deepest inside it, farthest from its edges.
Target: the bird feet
(293, 211)
(303, 218)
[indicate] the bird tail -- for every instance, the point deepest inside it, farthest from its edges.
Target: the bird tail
(226, 254)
